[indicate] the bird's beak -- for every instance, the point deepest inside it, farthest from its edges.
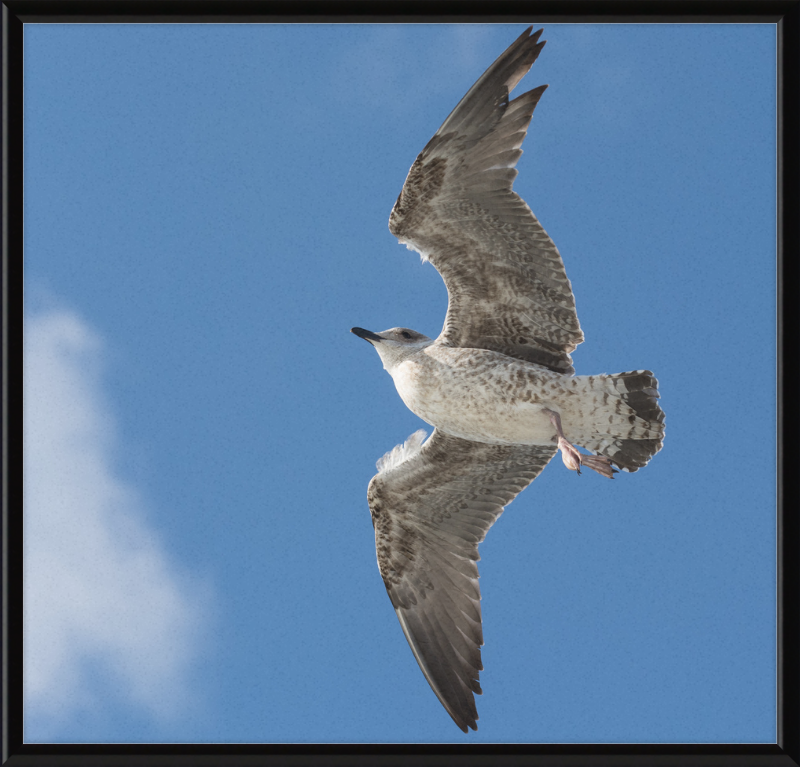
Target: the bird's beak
(367, 335)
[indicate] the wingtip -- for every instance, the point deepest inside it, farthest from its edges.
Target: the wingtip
(466, 725)
(529, 38)
(534, 38)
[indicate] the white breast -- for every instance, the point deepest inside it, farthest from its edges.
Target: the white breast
(467, 394)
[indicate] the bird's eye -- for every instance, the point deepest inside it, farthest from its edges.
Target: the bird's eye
(406, 334)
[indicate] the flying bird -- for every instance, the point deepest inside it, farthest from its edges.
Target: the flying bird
(497, 385)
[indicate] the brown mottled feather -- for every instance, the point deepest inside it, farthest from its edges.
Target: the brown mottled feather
(430, 512)
(508, 291)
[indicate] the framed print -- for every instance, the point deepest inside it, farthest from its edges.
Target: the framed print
(195, 215)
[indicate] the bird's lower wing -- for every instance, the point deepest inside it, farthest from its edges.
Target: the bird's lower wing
(430, 512)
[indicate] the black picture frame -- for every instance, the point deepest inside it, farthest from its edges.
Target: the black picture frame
(15, 13)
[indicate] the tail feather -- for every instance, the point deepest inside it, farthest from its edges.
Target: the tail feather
(627, 424)
(639, 390)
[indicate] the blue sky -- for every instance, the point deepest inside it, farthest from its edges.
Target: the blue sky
(206, 217)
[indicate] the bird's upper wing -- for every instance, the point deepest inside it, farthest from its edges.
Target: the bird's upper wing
(505, 279)
(431, 506)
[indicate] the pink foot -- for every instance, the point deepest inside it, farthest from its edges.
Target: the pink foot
(600, 464)
(573, 460)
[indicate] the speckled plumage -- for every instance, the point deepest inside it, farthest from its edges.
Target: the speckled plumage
(497, 384)
(485, 396)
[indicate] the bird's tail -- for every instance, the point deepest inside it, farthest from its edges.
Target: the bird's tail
(621, 419)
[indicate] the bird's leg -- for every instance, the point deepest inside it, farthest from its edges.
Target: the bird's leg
(573, 460)
(571, 457)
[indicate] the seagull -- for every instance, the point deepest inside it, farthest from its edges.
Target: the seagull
(497, 385)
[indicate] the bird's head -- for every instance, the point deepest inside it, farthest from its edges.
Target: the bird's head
(394, 345)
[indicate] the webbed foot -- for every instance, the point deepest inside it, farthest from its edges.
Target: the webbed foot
(600, 464)
(573, 460)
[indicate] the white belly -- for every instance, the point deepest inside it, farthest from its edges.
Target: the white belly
(479, 395)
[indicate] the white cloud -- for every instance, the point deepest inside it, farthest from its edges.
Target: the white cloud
(108, 619)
